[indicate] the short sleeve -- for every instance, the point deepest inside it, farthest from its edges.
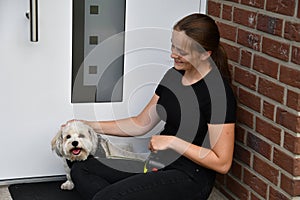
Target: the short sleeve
(231, 108)
(158, 90)
(221, 105)
(217, 117)
(168, 75)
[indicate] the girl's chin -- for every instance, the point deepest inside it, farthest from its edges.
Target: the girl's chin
(179, 65)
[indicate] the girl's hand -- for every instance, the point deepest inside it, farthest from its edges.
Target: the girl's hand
(160, 142)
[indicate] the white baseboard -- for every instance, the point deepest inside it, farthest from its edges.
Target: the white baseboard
(31, 180)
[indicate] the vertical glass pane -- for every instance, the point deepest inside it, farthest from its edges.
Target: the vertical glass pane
(98, 50)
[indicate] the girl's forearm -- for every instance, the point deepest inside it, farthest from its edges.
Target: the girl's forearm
(124, 127)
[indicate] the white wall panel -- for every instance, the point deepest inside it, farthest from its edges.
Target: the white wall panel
(36, 77)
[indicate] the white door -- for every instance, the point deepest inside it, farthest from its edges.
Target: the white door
(34, 85)
(35, 81)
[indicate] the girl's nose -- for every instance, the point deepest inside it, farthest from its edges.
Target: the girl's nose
(174, 55)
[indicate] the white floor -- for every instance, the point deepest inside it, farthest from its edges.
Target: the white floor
(4, 194)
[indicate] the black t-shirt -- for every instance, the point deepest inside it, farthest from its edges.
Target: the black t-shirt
(187, 111)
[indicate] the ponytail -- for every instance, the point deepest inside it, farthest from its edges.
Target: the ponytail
(219, 56)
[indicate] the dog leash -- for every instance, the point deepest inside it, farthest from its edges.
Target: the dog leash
(152, 165)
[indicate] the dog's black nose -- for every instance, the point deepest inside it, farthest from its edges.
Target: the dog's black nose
(75, 143)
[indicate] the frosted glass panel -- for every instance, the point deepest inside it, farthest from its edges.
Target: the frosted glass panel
(98, 50)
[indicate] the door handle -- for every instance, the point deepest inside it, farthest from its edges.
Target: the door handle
(32, 15)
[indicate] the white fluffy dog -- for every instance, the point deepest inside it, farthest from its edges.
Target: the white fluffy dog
(74, 142)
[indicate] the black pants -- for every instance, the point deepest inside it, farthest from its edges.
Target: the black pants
(98, 181)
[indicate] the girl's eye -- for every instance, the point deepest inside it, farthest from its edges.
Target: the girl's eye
(68, 136)
(178, 51)
(182, 53)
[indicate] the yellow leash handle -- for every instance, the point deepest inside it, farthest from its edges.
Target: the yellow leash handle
(145, 168)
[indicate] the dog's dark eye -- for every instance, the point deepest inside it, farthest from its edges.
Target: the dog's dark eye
(81, 136)
(68, 136)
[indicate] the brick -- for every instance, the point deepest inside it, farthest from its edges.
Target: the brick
(295, 55)
(244, 17)
(292, 31)
(245, 78)
(269, 24)
(269, 131)
(276, 49)
(227, 31)
(240, 134)
(265, 66)
(271, 90)
(290, 76)
(234, 87)
(291, 143)
(245, 117)
(255, 183)
(220, 178)
(236, 170)
(268, 110)
(227, 12)
(293, 100)
(256, 3)
(242, 154)
(233, 52)
(246, 58)
(213, 8)
(287, 162)
(237, 188)
(249, 39)
(288, 120)
(290, 185)
(250, 100)
(298, 15)
(258, 145)
(275, 194)
(285, 7)
(226, 193)
(266, 170)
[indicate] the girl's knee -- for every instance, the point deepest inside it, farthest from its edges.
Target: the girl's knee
(78, 169)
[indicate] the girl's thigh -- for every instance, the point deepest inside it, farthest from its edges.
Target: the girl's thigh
(166, 185)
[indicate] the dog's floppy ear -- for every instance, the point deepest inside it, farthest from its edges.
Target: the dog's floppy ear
(56, 143)
(94, 138)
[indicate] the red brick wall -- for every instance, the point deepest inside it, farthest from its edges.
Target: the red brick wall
(262, 39)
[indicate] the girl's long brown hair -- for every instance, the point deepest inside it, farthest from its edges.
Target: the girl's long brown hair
(203, 30)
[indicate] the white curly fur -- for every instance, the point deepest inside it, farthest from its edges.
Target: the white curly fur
(75, 142)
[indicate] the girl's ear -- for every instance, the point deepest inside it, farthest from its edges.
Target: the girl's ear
(205, 55)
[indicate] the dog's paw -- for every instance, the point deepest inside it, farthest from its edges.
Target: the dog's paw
(68, 185)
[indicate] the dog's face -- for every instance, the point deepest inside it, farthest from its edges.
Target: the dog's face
(75, 141)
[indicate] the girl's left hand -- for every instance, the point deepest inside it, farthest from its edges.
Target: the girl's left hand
(160, 142)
